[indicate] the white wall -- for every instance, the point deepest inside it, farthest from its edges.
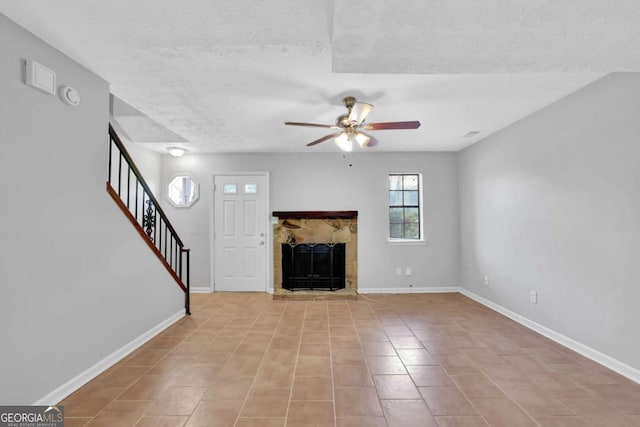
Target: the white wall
(149, 163)
(552, 204)
(325, 182)
(76, 281)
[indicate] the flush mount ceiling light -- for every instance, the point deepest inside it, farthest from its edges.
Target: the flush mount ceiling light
(352, 124)
(176, 151)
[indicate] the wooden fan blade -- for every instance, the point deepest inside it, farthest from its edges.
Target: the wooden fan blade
(311, 125)
(359, 112)
(323, 139)
(392, 125)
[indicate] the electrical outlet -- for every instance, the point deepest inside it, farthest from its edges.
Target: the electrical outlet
(408, 272)
(486, 280)
(398, 271)
(533, 297)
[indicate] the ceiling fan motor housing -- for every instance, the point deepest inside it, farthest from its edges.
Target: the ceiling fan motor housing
(349, 101)
(343, 121)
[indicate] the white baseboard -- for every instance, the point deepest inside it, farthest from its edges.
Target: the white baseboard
(407, 290)
(200, 290)
(588, 352)
(75, 383)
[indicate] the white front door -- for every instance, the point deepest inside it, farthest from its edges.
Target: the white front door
(240, 235)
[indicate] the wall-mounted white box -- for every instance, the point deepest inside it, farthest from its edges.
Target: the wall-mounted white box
(40, 77)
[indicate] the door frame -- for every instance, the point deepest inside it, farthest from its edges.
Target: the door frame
(268, 226)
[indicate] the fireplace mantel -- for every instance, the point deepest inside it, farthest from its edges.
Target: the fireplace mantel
(315, 214)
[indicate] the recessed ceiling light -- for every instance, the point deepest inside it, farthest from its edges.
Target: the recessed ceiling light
(471, 133)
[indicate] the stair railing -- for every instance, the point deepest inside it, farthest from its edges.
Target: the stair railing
(132, 194)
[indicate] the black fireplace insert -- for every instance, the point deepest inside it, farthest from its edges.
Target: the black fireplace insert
(313, 266)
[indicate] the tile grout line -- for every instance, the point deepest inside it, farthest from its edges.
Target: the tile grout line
(138, 380)
(149, 368)
(255, 376)
(407, 370)
(451, 379)
(333, 383)
(492, 382)
(232, 353)
(366, 361)
(295, 366)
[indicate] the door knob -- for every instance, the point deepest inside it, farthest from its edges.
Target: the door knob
(262, 243)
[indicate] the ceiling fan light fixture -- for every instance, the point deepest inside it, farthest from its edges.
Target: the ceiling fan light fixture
(343, 141)
(362, 139)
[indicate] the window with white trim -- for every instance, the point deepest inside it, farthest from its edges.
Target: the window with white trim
(405, 199)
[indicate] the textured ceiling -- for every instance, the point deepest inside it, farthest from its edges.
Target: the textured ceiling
(494, 36)
(225, 75)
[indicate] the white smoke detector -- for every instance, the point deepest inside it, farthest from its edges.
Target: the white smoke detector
(69, 95)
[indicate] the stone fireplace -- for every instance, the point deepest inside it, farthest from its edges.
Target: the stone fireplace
(315, 254)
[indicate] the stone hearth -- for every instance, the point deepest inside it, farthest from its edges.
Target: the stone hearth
(317, 227)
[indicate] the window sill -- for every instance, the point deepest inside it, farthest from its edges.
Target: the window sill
(408, 242)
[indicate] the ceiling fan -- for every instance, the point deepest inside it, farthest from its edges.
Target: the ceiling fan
(352, 124)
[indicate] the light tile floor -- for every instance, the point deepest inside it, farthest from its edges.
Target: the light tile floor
(383, 360)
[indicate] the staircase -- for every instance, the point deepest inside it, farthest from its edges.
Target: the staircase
(131, 193)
